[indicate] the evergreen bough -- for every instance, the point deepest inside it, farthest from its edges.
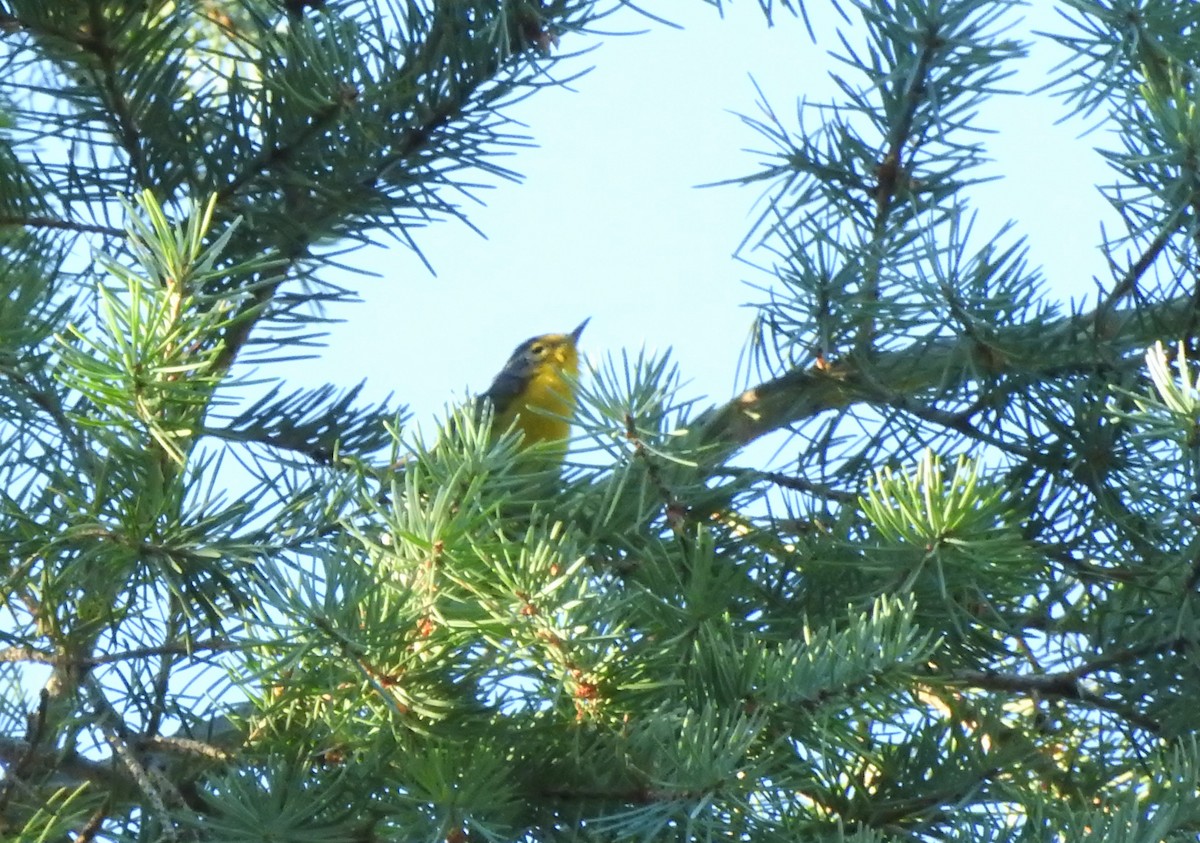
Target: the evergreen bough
(965, 608)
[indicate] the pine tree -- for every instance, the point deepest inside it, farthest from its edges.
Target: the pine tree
(965, 609)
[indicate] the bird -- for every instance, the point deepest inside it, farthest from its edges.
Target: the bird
(536, 391)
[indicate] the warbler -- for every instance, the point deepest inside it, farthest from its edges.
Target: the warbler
(536, 388)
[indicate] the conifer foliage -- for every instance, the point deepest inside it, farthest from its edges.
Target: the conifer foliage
(965, 607)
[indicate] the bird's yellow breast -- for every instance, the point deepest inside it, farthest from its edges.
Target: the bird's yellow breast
(543, 409)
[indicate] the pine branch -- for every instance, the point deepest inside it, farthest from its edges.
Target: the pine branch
(145, 762)
(423, 135)
(633, 795)
(35, 221)
(26, 654)
(92, 827)
(1063, 686)
(322, 119)
(785, 481)
(315, 423)
(23, 753)
(891, 172)
(1132, 276)
(94, 40)
(49, 402)
(1068, 345)
(68, 771)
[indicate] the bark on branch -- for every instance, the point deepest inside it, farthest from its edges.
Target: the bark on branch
(1039, 350)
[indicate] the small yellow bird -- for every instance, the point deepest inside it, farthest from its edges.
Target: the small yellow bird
(536, 388)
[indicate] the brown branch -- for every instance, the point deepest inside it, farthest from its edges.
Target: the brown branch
(148, 783)
(1071, 345)
(163, 765)
(48, 402)
(1128, 654)
(1089, 571)
(632, 795)
(891, 172)
(35, 731)
(961, 423)
(415, 138)
(90, 37)
(1138, 268)
(36, 221)
(424, 60)
(27, 654)
(94, 41)
(240, 330)
(1063, 686)
(186, 747)
(165, 665)
(673, 509)
(70, 771)
(280, 154)
(789, 481)
(319, 455)
(92, 827)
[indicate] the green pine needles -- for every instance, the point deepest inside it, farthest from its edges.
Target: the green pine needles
(959, 603)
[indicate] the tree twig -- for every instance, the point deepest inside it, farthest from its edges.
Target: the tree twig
(1129, 281)
(890, 174)
(38, 221)
(1063, 686)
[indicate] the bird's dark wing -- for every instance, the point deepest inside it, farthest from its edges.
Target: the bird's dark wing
(506, 387)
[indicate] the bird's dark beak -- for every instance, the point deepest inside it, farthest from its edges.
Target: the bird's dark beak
(575, 334)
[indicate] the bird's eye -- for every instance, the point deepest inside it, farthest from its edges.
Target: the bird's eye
(537, 349)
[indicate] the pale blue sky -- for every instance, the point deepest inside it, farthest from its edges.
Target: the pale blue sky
(608, 223)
